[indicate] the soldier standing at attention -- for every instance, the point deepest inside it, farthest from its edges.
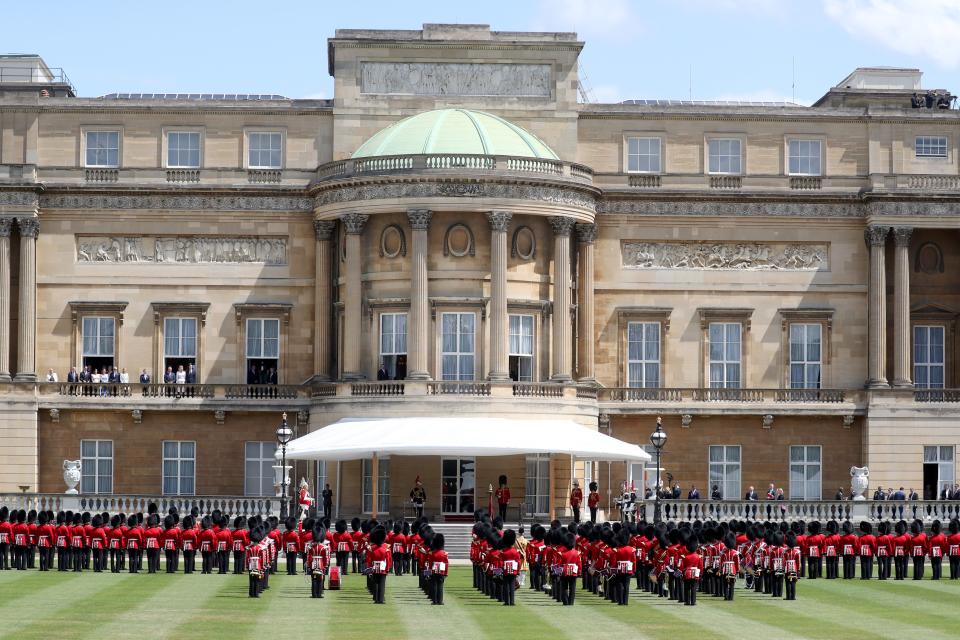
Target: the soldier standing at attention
(953, 548)
(576, 499)
(593, 501)
(439, 565)
(792, 560)
(691, 567)
(502, 494)
(418, 496)
(378, 563)
(937, 546)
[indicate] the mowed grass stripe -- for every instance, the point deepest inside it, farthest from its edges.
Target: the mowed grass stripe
(418, 614)
(228, 611)
(589, 612)
(103, 597)
(16, 585)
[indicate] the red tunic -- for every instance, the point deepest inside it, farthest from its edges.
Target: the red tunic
(240, 538)
(848, 545)
(899, 545)
(576, 497)
(625, 558)
(152, 536)
(937, 545)
(171, 539)
(438, 562)
(868, 546)
(224, 539)
(379, 559)
(189, 540)
(792, 559)
(918, 545)
(572, 563)
(291, 542)
(133, 539)
(730, 562)
(953, 545)
(502, 495)
(884, 545)
(691, 565)
(397, 542)
(593, 499)
(318, 557)
(46, 536)
(510, 562)
(208, 540)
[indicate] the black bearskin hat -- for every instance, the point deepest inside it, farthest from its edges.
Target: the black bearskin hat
(377, 536)
(593, 485)
(438, 542)
(341, 526)
(502, 480)
(866, 527)
(509, 539)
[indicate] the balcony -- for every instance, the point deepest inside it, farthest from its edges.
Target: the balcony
(733, 184)
(704, 401)
(160, 177)
(807, 510)
(454, 164)
(235, 505)
(172, 397)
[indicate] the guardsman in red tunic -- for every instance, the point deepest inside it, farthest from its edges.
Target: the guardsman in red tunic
(884, 550)
(153, 537)
(78, 542)
(660, 555)
(937, 546)
(848, 548)
(378, 563)
(626, 558)
(318, 560)
(32, 527)
(224, 544)
(133, 541)
(439, 566)
(190, 542)
(170, 541)
(576, 500)
(344, 545)
(918, 547)
(46, 534)
(691, 567)
(792, 561)
(358, 538)
(867, 550)
(254, 561)
(572, 565)
(729, 565)
(502, 494)
(239, 539)
(900, 542)
(208, 544)
(6, 538)
(98, 544)
(593, 501)
(953, 548)
(87, 532)
(510, 564)
(814, 550)
(291, 544)
(398, 544)
(115, 544)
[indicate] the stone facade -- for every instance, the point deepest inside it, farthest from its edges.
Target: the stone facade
(568, 258)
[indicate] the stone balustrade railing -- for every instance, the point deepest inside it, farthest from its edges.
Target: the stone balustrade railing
(807, 510)
(751, 396)
(107, 392)
(233, 505)
(440, 163)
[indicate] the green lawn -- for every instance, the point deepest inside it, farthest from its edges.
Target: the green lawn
(107, 606)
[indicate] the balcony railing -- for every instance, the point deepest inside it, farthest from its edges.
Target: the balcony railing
(679, 395)
(232, 505)
(807, 510)
(936, 395)
(173, 395)
(445, 163)
(458, 388)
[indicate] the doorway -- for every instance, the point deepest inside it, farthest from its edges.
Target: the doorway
(931, 480)
(457, 485)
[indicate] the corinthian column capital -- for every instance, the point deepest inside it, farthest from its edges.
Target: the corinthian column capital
(6, 224)
(419, 218)
(324, 229)
(499, 220)
(876, 236)
(586, 233)
(561, 225)
(353, 223)
(901, 236)
(29, 227)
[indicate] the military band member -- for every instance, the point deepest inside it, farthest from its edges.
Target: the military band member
(691, 567)
(418, 497)
(46, 534)
(358, 541)
(937, 548)
(867, 550)
(730, 565)
(77, 542)
(625, 558)
(953, 548)
(439, 567)
(190, 542)
(571, 564)
(378, 563)
(918, 548)
(777, 567)
(510, 565)
(255, 562)
(792, 560)
(170, 542)
(318, 560)
(814, 550)
(239, 539)
(502, 495)
(98, 544)
(291, 544)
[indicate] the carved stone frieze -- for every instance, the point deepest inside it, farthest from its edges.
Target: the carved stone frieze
(177, 202)
(456, 79)
(561, 225)
(734, 209)
(547, 194)
(738, 256)
(182, 249)
(353, 223)
(10, 198)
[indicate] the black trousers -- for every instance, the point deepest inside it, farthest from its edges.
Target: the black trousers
(576, 514)
(955, 567)
(189, 561)
(207, 566)
(291, 563)
(153, 560)
(223, 561)
(849, 567)
(115, 558)
(936, 568)
(398, 564)
(776, 585)
(593, 514)
(343, 560)
(509, 590)
(918, 564)
(237, 561)
(77, 554)
(568, 590)
(729, 587)
(791, 586)
(690, 592)
(135, 557)
(254, 586)
(900, 567)
(436, 588)
(168, 555)
(4, 556)
(379, 587)
(866, 567)
(622, 593)
(316, 585)
(45, 559)
(503, 512)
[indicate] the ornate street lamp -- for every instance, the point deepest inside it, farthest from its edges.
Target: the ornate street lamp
(658, 438)
(284, 436)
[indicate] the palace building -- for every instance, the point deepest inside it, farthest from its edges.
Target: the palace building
(456, 233)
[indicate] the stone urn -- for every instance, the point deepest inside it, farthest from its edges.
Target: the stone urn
(71, 475)
(859, 482)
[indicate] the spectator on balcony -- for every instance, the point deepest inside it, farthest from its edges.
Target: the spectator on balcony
(751, 495)
(52, 376)
(839, 495)
(271, 376)
(252, 374)
(144, 377)
(114, 376)
(382, 373)
(912, 495)
(169, 377)
(694, 493)
(181, 381)
(900, 494)
(879, 494)
(771, 492)
(677, 491)
(86, 376)
(715, 493)
(73, 377)
(124, 376)
(191, 378)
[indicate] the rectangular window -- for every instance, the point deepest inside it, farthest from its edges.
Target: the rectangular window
(322, 481)
(725, 470)
(179, 468)
(938, 466)
(805, 356)
(183, 149)
(725, 355)
(265, 149)
(103, 149)
(457, 345)
(383, 484)
(457, 485)
(643, 155)
(805, 157)
(928, 356)
(258, 471)
(393, 345)
(521, 348)
(931, 146)
(98, 342)
(263, 350)
(725, 156)
(538, 485)
(643, 354)
(96, 458)
(805, 472)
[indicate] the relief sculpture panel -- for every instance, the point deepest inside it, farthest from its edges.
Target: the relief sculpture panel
(182, 249)
(726, 256)
(456, 79)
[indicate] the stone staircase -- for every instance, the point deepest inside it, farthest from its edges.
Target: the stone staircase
(456, 538)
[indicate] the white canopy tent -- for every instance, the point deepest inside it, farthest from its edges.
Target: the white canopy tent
(360, 438)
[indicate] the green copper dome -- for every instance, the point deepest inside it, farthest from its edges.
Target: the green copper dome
(455, 131)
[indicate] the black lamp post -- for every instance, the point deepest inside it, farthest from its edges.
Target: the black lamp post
(658, 438)
(284, 436)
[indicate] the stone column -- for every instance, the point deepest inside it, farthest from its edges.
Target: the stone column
(418, 329)
(901, 308)
(876, 238)
(5, 225)
(586, 235)
(27, 339)
(499, 322)
(561, 298)
(322, 299)
(352, 297)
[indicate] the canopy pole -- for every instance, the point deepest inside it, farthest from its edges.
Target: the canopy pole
(550, 487)
(339, 483)
(375, 480)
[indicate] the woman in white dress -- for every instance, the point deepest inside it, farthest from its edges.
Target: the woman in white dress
(181, 381)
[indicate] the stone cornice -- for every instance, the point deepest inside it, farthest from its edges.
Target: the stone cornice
(177, 202)
(726, 208)
(19, 198)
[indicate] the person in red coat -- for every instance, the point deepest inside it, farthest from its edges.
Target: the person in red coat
(170, 542)
(378, 563)
(45, 538)
(398, 544)
(814, 550)
(77, 541)
(224, 543)
(133, 541)
(576, 499)
(190, 542)
(848, 549)
(918, 547)
(343, 545)
(291, 544)
(502, 495)
(625, 557)
(867, 550)
(115, 543)
(937, 547)
(318, 560)
(691, 567)
(900, 541)
(439, 566)
(953, 548)
(792, 560)
(255, 562)
(593, 501)
(510, 564)
(153, 535)
(729, 565)
(98, 544)
(239, 539)
(571, 563)
(208, 544)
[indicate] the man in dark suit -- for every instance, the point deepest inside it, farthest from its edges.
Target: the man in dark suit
(677, 491)
(751, 495)
(191, 378)
(694, 493)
